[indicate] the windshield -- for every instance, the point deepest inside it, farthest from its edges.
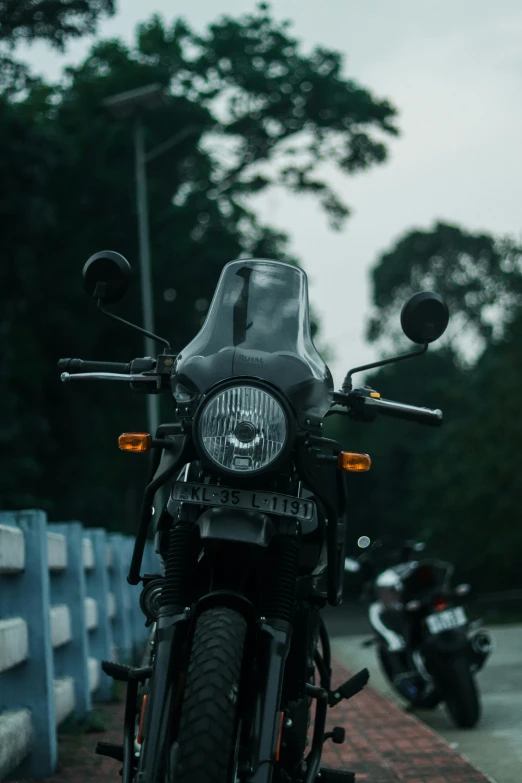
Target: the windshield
(258, 325)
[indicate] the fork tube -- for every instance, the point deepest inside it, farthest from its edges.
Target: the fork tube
(128, 730)
(277, 641)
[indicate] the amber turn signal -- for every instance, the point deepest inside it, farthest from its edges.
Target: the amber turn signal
(355, 463)
(135, 441)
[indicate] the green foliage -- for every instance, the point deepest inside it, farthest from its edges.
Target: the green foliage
(467, 489)
(95, 722)
(456, 487)
(247, 109)
(478, 275)
(54, 21)
(379, 499)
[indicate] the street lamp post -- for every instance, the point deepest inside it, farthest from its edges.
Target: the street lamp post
(134, 103)
(147, 300)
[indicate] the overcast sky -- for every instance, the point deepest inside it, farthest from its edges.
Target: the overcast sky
(453, 69)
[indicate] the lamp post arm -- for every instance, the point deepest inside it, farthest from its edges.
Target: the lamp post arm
(177, 138)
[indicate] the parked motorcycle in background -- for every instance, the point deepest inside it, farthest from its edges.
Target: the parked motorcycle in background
(427, 648)
(252, 536)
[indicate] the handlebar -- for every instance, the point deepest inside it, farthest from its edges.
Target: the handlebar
(365, 404)
(107, 376)
(432, 418)
(80, 365)
(147, 374)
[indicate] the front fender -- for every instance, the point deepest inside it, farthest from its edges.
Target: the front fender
(238, 525)
(230, 598)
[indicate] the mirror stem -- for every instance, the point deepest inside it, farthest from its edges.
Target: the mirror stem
(155, 337)
(347, 383)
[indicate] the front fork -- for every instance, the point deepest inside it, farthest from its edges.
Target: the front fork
(275, 645)
(171, 632)
(276, 635)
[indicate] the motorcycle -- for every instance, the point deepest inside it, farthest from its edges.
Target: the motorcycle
(442, 646)
(251, 536)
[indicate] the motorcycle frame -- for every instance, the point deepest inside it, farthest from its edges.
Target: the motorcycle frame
(305, 442)
(275, 636)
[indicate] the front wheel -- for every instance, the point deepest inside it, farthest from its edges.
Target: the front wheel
(462, 697)
(207, 744)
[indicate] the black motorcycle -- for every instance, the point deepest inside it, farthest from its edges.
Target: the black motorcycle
(443, 647)
(252, 535)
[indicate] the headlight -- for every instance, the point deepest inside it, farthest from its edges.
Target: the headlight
(243, 429)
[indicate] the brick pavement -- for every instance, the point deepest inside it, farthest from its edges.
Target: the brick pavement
(386, 745)
(382, 745)
(77, 762)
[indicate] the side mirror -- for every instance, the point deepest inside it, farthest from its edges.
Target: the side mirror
(351, 565)
(424, 317)
(107, 276)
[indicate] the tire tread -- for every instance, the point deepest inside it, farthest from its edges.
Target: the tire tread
(208, 718)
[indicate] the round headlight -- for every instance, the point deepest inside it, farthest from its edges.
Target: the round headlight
(243, 429)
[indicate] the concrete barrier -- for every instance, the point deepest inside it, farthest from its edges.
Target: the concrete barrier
(65, 605)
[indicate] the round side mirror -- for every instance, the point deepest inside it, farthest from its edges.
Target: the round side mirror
(107, 276)
(424, 317)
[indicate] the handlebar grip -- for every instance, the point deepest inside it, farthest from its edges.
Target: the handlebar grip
(80, 365)
(427, 416)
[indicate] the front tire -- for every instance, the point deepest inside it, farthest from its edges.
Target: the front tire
(462, 699)
(206, 747)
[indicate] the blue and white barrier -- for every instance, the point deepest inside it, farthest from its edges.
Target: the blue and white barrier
(65, 605)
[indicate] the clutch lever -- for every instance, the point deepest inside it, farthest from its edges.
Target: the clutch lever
(65, 377)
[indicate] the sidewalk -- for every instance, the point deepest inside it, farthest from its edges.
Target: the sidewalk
(77, 762)
(386, 745)
(382, 745)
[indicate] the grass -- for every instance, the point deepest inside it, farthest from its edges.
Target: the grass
(119, 691)
(94, 723)
(72, 737)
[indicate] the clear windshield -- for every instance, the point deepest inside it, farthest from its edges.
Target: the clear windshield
(258, 325)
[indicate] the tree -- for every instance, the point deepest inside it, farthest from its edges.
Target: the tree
(456, 487)
(259, 112)
(467, 488)
(54, 21)
(380, 499)
(478, 275)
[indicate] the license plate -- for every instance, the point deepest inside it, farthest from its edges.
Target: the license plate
(447, 620)
(268, 502)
